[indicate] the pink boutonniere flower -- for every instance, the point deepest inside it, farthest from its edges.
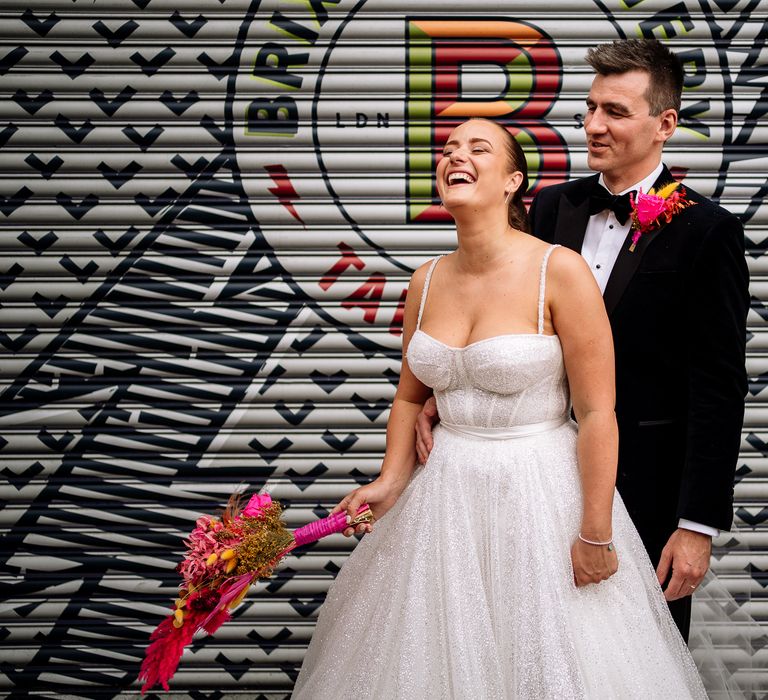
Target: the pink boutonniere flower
(653, 210)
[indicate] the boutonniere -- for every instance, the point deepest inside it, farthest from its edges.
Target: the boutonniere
(653, 210)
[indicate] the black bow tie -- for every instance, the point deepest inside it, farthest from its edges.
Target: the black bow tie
(602, 199)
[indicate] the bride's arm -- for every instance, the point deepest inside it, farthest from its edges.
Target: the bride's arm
(400, 453)
(578, 316)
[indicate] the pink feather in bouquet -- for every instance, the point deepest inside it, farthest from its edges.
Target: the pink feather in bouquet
(224, 557)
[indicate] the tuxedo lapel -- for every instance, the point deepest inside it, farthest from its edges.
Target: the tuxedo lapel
(573, 215)
(625, 268)
(627, 262)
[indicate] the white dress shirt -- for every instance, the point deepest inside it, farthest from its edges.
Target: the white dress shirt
(605, 236)
(603, 240)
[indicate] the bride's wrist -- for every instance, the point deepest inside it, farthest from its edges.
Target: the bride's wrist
(396, 483)
(603, 533)
(607, 541)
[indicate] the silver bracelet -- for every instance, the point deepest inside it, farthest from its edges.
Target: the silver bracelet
(608, 544)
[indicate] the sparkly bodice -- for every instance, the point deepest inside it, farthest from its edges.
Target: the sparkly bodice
(498, 382)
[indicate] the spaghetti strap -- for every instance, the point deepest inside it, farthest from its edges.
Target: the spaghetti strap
(542, 286)
(424, 291)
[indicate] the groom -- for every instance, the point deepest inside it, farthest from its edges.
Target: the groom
(677, 305)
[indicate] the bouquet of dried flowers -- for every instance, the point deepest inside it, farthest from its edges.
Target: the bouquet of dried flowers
(224, 557)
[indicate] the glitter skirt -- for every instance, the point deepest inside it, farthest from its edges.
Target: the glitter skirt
(465, 590)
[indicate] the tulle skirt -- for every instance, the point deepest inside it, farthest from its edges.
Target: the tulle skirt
(465, 590)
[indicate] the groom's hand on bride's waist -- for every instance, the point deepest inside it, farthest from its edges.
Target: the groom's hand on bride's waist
(425, 421)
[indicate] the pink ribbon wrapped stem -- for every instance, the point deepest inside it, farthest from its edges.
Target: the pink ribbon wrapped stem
(331, 525)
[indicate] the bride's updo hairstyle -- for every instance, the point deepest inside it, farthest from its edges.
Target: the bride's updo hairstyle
(516, 212)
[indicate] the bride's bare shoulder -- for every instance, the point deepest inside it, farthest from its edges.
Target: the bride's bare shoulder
(419, 275)
(563, 263)
(566, 264)
(570, 282)
(417, 281)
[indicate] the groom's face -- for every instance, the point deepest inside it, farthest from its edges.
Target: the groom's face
(623, 140)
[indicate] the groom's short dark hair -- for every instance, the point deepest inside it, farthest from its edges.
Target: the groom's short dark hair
(663, 67)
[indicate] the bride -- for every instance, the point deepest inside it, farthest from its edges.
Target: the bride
(507, 566)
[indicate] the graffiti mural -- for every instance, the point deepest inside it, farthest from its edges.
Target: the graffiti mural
(210, 210)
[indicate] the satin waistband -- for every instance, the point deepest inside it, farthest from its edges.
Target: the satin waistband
(515, 431)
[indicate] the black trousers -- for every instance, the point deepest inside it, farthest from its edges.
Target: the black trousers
(681, 614)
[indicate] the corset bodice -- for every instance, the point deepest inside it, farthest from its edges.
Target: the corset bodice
(498, 382)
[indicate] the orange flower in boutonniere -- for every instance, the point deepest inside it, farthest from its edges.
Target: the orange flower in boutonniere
(653, 210)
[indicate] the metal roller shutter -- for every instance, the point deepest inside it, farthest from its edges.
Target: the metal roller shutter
(209, 212)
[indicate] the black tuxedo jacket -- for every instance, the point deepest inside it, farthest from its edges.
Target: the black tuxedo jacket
(677, 307)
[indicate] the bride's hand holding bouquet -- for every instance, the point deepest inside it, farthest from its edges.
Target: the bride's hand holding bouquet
(380, 495)
(400, 456)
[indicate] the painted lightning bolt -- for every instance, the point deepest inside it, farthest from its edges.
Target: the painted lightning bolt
(284, 190)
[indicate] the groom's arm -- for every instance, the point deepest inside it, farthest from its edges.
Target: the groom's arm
(717, 304)
(717, 300)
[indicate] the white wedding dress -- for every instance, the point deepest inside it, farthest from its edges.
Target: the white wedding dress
(464, 589)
